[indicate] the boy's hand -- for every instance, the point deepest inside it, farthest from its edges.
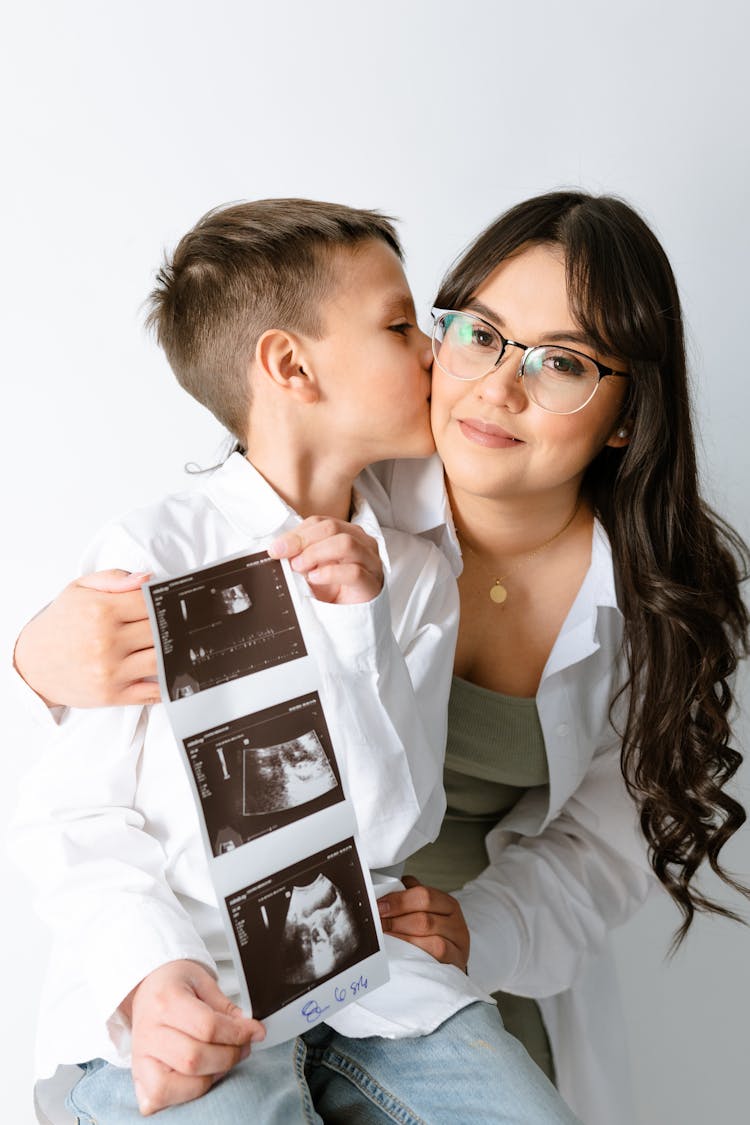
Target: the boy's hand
(186, 1035)
(339, 560)
(91, 646)
(429, 918)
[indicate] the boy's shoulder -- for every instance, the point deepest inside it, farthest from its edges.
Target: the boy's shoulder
(165, 536)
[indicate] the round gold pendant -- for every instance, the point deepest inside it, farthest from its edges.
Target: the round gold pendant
(498, 593)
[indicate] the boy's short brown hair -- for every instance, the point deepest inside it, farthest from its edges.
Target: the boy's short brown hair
(241, 270)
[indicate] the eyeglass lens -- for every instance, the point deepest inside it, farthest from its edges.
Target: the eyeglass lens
(556, 378)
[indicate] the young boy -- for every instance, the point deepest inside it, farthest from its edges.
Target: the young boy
(292, 321)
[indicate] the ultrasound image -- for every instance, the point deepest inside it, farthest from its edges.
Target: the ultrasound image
(286, 775)
(303, 926)
(319, 932)
(263, 771)
(223, 622)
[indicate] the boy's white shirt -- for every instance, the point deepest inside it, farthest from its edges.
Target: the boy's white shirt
(107, 825)
(572, 862)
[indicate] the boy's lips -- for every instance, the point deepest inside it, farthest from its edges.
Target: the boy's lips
(487, 433)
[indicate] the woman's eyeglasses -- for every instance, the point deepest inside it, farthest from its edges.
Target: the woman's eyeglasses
(558, 379)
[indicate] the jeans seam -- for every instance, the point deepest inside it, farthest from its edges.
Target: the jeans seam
(300, 1055)
(373, 1090)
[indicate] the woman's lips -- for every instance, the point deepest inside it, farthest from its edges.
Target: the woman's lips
(485, 433)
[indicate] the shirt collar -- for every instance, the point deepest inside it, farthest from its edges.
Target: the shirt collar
(246, 499)
(410, 495)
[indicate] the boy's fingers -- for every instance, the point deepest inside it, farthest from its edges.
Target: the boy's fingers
(189, 1056)
(286, 546)
(335, 549)
(206, 1025)
(158, 1086)
(310, 531)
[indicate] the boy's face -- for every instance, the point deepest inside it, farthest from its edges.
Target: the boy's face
(373, 363)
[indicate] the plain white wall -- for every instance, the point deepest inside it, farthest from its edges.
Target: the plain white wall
(122, 125)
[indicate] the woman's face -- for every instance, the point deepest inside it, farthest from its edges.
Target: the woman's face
(493, 440)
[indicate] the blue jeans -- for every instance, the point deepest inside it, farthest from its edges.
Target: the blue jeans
(468, 1070)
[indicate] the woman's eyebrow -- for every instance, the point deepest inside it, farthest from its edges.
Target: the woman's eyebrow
(568, 335)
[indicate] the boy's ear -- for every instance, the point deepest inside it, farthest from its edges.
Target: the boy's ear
(280, 356)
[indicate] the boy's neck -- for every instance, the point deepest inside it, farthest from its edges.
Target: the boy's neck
(309, 485)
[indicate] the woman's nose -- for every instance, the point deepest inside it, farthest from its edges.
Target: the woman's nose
(503, 385)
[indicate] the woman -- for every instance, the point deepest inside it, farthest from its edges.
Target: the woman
(601, 619)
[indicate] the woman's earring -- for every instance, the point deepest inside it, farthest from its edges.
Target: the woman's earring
(622, 433)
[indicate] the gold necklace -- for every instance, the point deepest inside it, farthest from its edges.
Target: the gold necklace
(498, 592)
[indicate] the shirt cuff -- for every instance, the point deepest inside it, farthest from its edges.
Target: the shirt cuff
(356, 631)
(495, 951)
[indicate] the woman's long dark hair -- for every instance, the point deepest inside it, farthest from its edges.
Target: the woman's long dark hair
(678, 565)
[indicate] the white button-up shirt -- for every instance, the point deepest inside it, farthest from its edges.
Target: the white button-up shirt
(569, 862)
(107, 826)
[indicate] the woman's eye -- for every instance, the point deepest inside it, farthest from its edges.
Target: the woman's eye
(402, 328)
(563, 363)
(482, 337)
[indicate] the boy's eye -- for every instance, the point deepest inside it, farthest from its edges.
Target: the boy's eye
(402, 327)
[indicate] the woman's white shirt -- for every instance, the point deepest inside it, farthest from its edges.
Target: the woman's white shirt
(569, 862)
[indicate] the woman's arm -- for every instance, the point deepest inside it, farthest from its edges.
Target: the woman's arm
(545, 902)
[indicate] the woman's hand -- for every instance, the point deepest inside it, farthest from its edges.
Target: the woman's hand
(429, 918)
(91, 646)
(339, 560)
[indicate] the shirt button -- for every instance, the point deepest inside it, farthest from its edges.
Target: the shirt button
(561, 729)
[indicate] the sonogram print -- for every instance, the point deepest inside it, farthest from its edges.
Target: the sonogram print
(286, 775)
(263, 771)
(302, 926)
(234, 599)
(319, 934)
(223, 622)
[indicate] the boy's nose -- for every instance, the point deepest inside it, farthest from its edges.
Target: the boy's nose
(425, 345)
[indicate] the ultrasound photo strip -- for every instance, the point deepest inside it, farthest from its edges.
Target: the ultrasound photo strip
(268, 789)
(263, 771)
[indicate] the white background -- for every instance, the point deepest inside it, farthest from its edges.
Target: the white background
(122, 125)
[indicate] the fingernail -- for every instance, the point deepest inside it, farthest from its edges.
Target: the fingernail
(144, 1102)
(313, 576)
(383, 907)
(277, 549)
(245, 1052)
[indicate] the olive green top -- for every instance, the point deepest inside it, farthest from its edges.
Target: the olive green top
(495, 753)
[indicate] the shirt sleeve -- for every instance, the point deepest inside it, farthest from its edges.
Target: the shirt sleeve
(388, 679)
(99, 870)
(99, 874)
(546, 902)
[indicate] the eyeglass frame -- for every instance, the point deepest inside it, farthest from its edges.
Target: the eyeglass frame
(602, 369)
